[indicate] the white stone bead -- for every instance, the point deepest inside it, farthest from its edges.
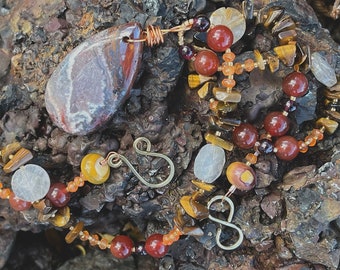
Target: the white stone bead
(30, 183)
(322, 70)
(209, 163)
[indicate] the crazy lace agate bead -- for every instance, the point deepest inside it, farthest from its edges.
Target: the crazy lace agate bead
(90, 84)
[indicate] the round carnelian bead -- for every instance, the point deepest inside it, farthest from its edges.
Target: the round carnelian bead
(276, 124)
(245, 136)
(220, 38)
(229, 83)
(121, 246)
(287, 148)
(18, 204)
(206, 63)
(295, 84)
(93, 171)
(154, 246)
(241, 176)
(58, 195)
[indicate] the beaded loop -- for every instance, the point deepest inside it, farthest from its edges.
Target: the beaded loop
(115, 160)
(225, 223)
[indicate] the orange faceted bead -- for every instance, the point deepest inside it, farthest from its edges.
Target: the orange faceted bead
(238, 68)
(1, 185)
(228, 70)
(251, 158)
(228, 83)
(79, 181)
(71, 187)
(172, 236)
(249, 65)
(103, 243)
(93, 239)
(228, 56)
(84, 236)
(318, 134)
(5, 193)
(303, 147)
(310, 140)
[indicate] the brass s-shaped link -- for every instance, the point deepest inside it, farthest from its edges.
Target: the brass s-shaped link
(115, 160)
(226, 223)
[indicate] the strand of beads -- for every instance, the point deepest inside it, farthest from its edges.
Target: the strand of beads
(121, 246)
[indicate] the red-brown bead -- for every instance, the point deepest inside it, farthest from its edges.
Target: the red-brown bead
(206, 63)
(18, 204)
(220, 38)
(241, 176)
(121, 246)
(276, 124)
(287, 148)
(295, 84)
(245, 136)
(154, 246)
(58, 195)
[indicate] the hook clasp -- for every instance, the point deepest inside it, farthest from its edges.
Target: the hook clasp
(225, 222)
(115, 160)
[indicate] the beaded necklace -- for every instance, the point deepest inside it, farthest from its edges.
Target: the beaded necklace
(96, 169)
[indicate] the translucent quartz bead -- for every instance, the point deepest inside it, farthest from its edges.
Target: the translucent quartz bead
(30, 183)
(295, 84)
(220, 38)
(276, 124)
(226, 96)
(93, 171)
(121, 246)
(329, 125)
(322, 70)
(209, 163)
(287, 148)
(245, 136)
(18, 204)
(58, 195)
(206, 63)
(241, 176)
(154, 246)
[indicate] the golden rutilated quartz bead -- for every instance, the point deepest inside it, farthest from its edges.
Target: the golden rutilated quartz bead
(74, 232)
(213, 139)
(329, 125)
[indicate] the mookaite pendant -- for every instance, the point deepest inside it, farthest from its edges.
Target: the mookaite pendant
(94, 79)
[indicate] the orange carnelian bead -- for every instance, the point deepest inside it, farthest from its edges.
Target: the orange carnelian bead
(318, 134)
(251, 158)
(303, 147)
(71, 187)
(249, 65)
(103, 243)
(241, 176)
(228, 83)
(228, 56)
(238, 68)
(5, 193)
(228, 70)
(310, 140)
(93, 239)
(84, 236)
(172, 236)
(79, 181)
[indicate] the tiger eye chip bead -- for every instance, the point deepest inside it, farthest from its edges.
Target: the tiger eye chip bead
(74, 232)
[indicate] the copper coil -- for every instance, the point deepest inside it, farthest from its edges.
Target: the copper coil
(153, 35)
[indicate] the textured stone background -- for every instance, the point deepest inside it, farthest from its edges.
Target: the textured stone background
(291, 220)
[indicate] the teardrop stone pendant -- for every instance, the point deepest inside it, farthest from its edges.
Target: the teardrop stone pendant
(94, 79)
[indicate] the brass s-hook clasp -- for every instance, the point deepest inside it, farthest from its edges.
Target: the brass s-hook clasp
(115, 160)
(225, 222)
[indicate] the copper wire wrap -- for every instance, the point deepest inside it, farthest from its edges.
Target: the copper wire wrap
(154, 35)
